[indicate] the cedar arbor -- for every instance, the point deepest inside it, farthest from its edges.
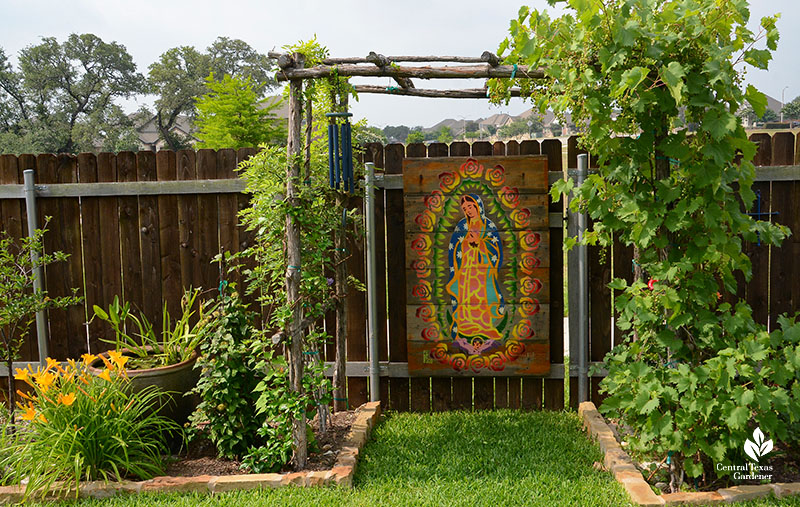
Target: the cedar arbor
(293, 69)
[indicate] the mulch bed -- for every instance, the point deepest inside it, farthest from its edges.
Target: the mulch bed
(201, 458)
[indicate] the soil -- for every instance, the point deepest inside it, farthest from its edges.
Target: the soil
(200, 457)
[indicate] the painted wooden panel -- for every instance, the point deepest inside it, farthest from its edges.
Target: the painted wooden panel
(477, 265)
(531, 212)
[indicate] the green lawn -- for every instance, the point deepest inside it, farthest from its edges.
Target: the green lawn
(491, 459)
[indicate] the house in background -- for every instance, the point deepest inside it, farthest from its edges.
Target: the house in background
(150, 137)
(496, 121)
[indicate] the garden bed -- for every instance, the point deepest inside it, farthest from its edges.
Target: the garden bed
(202, 474)
(201, 458)
(620, 464)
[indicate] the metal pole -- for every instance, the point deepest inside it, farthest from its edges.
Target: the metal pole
(372, 303)
(783, 103)
(30, 210)
(583, 292)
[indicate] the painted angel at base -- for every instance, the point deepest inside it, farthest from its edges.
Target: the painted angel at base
(475, 254)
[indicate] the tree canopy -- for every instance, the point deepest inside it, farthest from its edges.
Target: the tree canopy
(178, 78)
(520, 127)
(231, 116)
(791, 110)
(62, 97)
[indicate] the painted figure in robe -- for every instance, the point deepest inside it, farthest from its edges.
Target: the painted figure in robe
(475, 254)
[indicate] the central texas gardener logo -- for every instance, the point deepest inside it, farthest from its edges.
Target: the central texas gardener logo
(759, 448)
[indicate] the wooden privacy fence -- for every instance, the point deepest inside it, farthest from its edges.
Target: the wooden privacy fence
(141, 226)
(146, 225)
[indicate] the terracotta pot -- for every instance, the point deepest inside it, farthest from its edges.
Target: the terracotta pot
(175, 380)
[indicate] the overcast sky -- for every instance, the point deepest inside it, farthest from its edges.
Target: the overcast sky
(147, 28)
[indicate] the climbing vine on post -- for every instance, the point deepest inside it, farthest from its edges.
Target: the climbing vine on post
(293, 212)
(634, 73)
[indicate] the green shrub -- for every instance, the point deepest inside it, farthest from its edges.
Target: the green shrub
(19, 302)
(84, 427)
(228, 380)
(701, 413)
(696, 374)
(247, 406)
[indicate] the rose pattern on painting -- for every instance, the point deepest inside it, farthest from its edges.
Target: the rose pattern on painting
(480, 334)
(435, 201)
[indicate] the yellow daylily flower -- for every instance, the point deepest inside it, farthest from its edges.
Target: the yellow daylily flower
(105, 375)
(43, 418)
(67, 399)
(107, 363)
(73, 365)
(88, 359)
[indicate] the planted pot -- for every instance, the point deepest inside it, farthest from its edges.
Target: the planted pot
(174, 380)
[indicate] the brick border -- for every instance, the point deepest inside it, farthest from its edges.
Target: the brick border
(340, 475)
(625, 472)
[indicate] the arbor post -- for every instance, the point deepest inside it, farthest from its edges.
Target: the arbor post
(293, 273)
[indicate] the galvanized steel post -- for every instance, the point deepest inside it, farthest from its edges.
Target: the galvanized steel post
(372, 303)
(583, 291)
(30, 210)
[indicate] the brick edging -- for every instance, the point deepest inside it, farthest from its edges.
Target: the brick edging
(340, 475)
(625, 472)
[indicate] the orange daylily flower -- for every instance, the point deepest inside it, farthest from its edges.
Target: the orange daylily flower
(118, 359)
(51, 363)
(29, 412)
(66, 399)
(43, 418)
(45, 380)
(105, 375)
(88, 358)
(22, 374)
(23, 395)
(107, 363)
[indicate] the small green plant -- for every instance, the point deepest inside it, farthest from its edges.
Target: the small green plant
(176, 342)
(228, 380)
(247, 406)
(18, 301)
(84, 427)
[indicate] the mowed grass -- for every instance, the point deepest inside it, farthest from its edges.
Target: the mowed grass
(491, 458)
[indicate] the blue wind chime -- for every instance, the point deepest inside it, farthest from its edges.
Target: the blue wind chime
(340, 153)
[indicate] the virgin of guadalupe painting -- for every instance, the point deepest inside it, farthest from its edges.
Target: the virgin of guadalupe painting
(475, 255)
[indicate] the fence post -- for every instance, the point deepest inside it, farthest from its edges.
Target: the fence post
(30, 210)
(372, 303)
(578, 283)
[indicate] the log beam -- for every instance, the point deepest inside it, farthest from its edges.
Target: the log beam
(426, 72)
(381, 62)
(486, 57)
(469, 93)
